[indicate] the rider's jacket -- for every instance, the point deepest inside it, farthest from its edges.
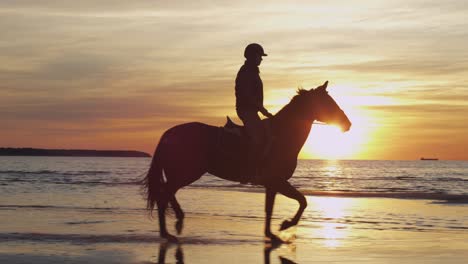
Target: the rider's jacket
(249, 88)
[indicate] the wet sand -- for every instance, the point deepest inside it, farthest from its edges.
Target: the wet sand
(226, 227)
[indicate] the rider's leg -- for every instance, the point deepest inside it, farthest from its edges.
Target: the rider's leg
(254, 129)
(268, 140)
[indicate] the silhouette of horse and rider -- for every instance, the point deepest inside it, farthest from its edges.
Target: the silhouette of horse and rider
(263, 152)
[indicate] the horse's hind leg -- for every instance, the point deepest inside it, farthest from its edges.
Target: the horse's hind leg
(179, 214)
(162, 206)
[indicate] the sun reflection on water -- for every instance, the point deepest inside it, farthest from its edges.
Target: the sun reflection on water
(332, 235)
(331, 210)
(332, 168)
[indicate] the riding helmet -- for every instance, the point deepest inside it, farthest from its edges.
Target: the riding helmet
(254, 49)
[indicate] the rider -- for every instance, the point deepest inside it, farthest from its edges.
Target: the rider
(249, 101)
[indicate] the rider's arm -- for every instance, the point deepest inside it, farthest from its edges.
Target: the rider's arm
(265, 112)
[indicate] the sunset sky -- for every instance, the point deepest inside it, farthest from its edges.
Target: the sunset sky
(117, 74)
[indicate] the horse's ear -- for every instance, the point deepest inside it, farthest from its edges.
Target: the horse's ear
(324, 86)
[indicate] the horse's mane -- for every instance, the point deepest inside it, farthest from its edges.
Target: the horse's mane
(296, 102)
(301, 91)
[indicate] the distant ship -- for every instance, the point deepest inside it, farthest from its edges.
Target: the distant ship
(429, 158)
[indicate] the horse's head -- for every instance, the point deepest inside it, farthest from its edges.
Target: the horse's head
(317, 104)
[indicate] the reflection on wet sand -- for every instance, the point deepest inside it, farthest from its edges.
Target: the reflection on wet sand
(270, 248)
(179, 254)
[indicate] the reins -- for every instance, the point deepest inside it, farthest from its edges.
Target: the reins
(319, 123)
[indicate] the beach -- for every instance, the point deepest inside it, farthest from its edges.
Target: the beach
(52, 221)
(352, 230)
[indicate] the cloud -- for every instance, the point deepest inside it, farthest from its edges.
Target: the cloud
(415, 67)
(95, 109)
(69, 66)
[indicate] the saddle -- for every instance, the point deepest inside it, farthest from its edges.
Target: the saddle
(234, 134)
(232, 139)
(232, 152)
(231, 127)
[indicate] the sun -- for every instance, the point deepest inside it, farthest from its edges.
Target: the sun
(328, 142)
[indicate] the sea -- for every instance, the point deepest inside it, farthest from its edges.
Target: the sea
(83, 200)
(441, 180)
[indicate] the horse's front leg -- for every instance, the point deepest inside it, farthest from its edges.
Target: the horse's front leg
(269, 202)
(286, 189)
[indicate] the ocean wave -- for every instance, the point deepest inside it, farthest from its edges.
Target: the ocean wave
(122, 238)
(405, 177)
(78, 177)
(79, 238)
(68, 181)
(54, 172)
(450, 179)
(59, 207)
(455, 198)
(398, 193)
(87, 222)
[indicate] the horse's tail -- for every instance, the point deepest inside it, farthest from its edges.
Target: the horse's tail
(153, 183)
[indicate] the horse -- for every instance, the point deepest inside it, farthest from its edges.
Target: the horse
(186, 152)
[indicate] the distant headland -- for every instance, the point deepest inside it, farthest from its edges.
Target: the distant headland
(71, 152)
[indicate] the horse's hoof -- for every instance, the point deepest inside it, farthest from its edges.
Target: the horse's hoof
(170, 238)
(286, 224)
(275, 240)
(179, 226)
